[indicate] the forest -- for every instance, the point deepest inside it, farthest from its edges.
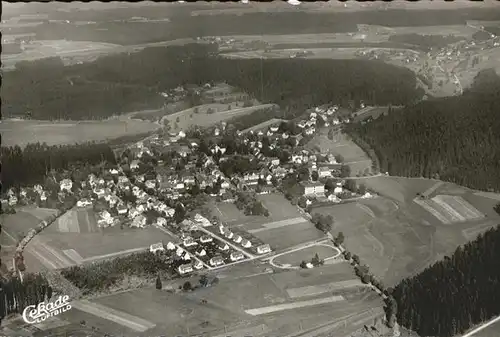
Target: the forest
(455, 139)
(16, 295)
(121, 83)
(451, 296)
(31, 165)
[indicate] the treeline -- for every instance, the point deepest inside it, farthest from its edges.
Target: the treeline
(119, 83)
(16, 295)
(31, 165)
(454, 139)
(426, 41)
(182, 25)
(462, 291)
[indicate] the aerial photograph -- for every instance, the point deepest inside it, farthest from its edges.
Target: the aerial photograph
(250, 169)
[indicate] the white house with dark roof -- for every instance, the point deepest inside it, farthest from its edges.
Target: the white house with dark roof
(216, 261)
(236, 256)
(157, 247)
(185, 268)
(263, 249)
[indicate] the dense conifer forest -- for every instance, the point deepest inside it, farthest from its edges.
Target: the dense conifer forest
(452, 295)
(120, 83)
(455, 139)
(31, 165)
(16, 295)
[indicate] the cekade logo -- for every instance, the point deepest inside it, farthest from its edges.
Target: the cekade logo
(39, 313)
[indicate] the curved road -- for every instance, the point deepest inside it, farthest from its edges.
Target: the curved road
(325, 244)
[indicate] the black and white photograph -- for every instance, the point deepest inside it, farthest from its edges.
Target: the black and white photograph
(250, 169)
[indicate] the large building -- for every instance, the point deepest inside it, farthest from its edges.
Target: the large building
(313, 188)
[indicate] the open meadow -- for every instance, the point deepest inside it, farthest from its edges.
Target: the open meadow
(22, 132)
(353, 155)
(307, 254)
(189, 117)
(252, 305)
(75, 239)
(396, 237)
(284, 228)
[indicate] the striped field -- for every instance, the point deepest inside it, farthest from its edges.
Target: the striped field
(450, 209)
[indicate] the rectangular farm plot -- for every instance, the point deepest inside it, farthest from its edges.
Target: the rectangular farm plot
(450, 209)
(289, 236)
(278, 224)
(295, 305)
(279, 207)
(324, 288)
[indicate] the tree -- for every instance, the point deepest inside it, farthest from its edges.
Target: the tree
(339, 240)
(347, 255)
(314, 175)
(351, 185)
(345, 171)
(187, 286)
(361, 189)
(196, 110)
(339, 158)
(497, 208)
(177, 119)
(331, 134)
(302, 202)
(204, 280)
(303, 265)
(210, 111)
(159, 285)
(355, 259)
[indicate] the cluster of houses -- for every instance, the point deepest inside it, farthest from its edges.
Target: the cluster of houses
(199, 249)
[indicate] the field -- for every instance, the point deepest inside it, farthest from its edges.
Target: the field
(21, 132)
(396, 237)
(58, 48)
(76, 220)
(60, 249)
(189, 118)
(295, 258)
(285, 227)
(26, 218)
(264, 125)
(450, 209)
(357, 160)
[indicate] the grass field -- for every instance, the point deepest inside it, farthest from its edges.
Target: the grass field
(357, 160)
(76, 220)
(188, 117)
(403, 238)
(57, 133)
(55, 249)
(279, 207)
(295, 258)
(26, 218)
(450, 209)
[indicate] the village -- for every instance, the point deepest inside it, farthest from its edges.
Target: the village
(166, 180)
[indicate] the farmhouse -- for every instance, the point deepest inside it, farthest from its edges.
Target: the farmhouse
(185, 268)
(156, 247)
(224, 247)
(246, 244)
(324, 172)
(216, 261)
(197, 265)
(206, 239)
(263, 249)
(236, 256)
(66, 185)
(312, 188)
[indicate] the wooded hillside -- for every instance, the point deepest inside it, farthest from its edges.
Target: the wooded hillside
(455, 139)
(454, 294)
(122, 83)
